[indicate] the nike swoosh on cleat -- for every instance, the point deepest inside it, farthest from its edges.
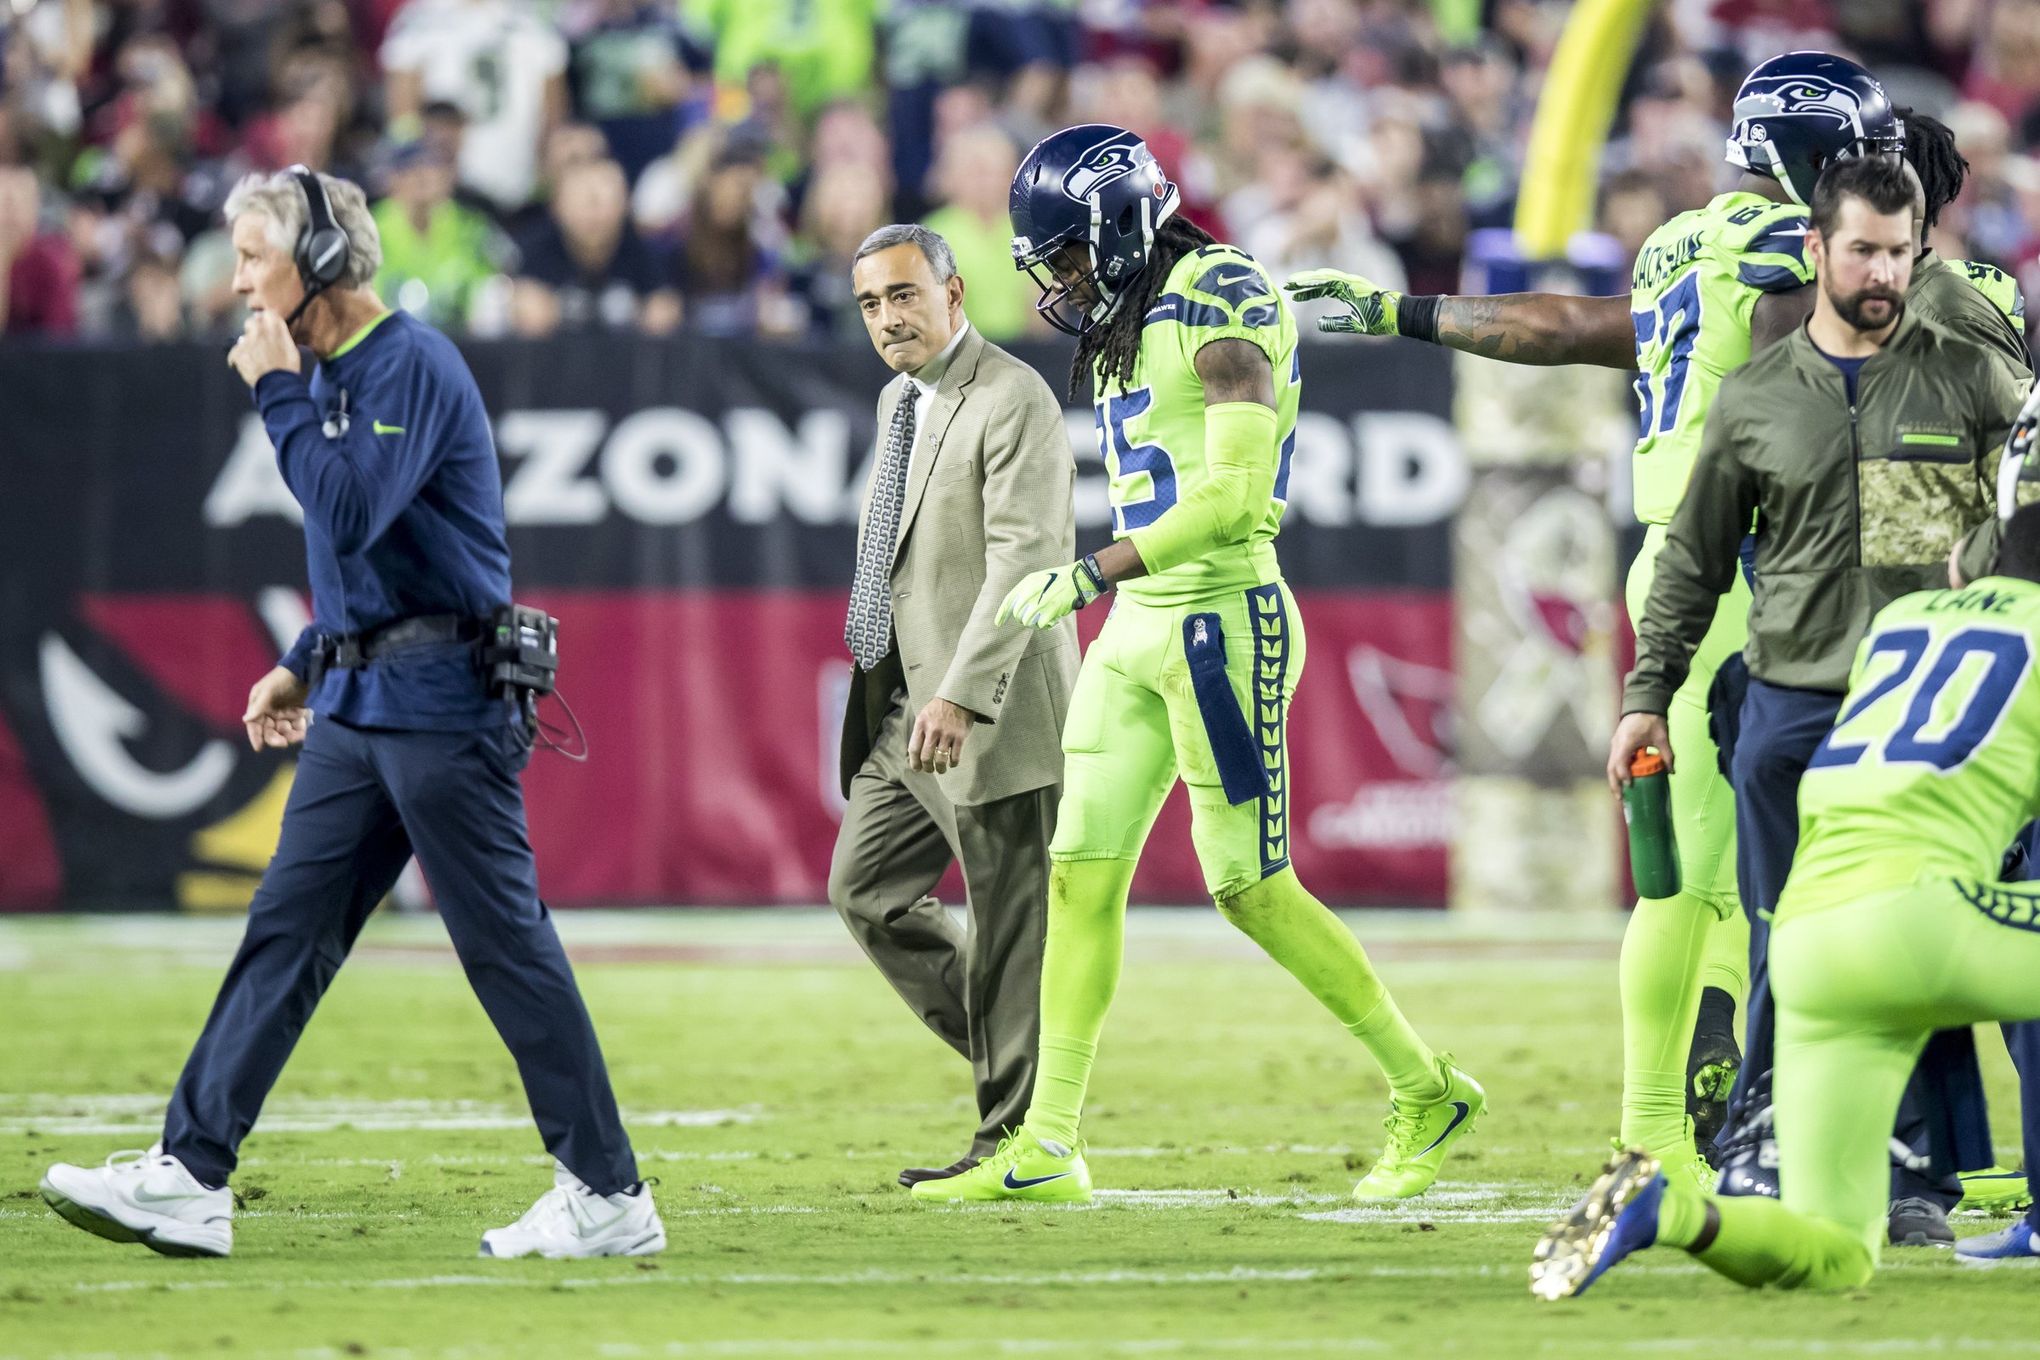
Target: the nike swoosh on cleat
(143, 1195)
(1012, 1184)
(1460, 1118)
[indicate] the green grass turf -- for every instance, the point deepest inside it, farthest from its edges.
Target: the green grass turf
(1218, 1077)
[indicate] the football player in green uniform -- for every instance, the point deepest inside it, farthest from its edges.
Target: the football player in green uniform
(1708, 288)
(1891, 926)
(1191, 353)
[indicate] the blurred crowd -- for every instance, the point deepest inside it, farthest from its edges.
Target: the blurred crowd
(547, 165)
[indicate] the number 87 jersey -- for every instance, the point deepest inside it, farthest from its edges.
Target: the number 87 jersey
(1693, 289)
(1151, 430)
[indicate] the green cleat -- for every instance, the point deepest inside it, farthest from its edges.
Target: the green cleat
(1021, 1171)
(1619, 1216)
(1419, 1136)
(1994, 1190)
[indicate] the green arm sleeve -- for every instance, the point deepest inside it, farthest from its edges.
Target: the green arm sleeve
(1239, 445)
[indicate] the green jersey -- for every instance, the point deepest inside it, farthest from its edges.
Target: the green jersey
(1151, 430)
(1694, 287)
(1934, 762)
(2001, 288)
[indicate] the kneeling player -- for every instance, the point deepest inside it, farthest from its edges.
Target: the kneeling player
(1890, 927)
(1193, 356)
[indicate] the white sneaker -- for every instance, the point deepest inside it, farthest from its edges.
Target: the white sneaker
(571, 1221)
(146, 1197)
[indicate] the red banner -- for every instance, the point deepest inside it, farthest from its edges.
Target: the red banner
(713, 719)
(688, 509)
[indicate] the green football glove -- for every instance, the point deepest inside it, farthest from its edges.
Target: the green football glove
(1045, 598)
(1373, 306)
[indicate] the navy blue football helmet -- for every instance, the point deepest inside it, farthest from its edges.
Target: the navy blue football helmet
(1096, 189)
(1797, 112)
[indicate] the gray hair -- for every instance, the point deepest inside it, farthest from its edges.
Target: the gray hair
(280, 200)
(940, 257)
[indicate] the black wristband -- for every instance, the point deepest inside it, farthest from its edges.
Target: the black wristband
(1417, 317)
(1088, 564)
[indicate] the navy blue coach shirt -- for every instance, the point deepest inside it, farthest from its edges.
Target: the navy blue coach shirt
(388, 450)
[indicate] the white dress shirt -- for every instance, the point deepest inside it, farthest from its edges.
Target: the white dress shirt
(925, 380)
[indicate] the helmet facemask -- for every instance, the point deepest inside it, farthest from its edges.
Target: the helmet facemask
(1075, 300)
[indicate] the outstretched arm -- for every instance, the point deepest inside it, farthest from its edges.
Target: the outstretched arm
(1517, 328)
(1540, 328)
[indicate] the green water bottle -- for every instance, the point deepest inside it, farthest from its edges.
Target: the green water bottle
(1647, 808)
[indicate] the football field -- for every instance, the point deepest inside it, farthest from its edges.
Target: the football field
(774, 1085)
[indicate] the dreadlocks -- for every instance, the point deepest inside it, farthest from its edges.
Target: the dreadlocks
(1111, 349)
(1930, 150)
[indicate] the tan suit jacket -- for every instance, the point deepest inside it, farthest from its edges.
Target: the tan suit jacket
(989, 498)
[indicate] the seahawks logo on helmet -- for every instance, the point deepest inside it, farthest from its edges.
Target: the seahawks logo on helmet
(1800, 96)
(1800, 111)
(1102, 164)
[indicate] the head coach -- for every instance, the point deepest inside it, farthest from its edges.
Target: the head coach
(414, 750)
(952, 737)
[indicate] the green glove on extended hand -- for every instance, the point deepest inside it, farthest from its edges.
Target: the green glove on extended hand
(1045, 598)
(1374, 307)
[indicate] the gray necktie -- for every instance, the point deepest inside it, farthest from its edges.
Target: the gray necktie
(868, 630)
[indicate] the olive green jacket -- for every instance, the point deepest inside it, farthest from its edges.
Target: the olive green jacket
(1978, 302)
(1853, 506)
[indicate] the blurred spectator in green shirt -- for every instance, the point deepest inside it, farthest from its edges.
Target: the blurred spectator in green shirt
(629, 73)
(973, 177)
(437, 254)
(821, 51)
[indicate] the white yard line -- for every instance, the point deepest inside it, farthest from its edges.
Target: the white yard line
(1157, 1346)
(779, 1279)
(134, 1115)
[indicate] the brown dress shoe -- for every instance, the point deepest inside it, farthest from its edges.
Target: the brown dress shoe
(915, 1174)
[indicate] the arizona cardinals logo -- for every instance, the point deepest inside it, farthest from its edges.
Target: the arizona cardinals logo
(1814, 97)
(1102, 164)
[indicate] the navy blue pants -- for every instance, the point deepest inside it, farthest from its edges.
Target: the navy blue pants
(1778, 732)
(363, 802)
(2022, 1038)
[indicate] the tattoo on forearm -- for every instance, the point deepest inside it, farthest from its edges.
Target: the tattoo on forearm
(1479, 325)
(1540, 328)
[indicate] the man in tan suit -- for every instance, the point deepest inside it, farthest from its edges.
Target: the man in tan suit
(952, 738)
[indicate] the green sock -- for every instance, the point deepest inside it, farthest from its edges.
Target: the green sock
(1682, 1214)
(1761, 1241)
(1660, 978)
(1727, 965)
(1080, 960)
(1302, 935)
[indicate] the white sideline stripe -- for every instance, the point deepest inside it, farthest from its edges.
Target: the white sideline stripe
(1364, 1214)
(393, 1167)
(1250, 1345)
(58, 1115)
(1041, 1279)
(683, 1350)
(1437, 1207)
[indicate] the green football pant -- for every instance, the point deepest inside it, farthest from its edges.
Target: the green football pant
(1676, 945)
(1859, 988)
(1199, 691)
